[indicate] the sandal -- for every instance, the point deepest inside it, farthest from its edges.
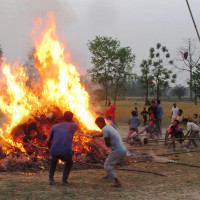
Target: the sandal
(117, 185)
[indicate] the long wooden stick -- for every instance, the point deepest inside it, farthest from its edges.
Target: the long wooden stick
(130, 170)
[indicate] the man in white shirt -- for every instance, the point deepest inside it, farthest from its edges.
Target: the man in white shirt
(174, 112)
(114, 141)
(194, 131)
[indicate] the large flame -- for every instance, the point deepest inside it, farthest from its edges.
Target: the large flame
(60, 87)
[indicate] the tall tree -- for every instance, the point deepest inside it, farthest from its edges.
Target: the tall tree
(189, 56)
(112, 64)
(122, 70)
(195, 85)
(179, 91)
(146, 78)
(160, 59)
(103, 50)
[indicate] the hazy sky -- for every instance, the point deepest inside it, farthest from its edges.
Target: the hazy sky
(139, 24)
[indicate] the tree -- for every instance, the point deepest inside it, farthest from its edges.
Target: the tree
(162, 76)
(196, 83)
(188, 56)
(112, 64)
(103, 50)
(146, 78)
(122, 70)
(178, 91)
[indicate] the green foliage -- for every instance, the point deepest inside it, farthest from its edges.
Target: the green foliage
(158, 65)
(112, 64)
(179, 91)
(196, 81)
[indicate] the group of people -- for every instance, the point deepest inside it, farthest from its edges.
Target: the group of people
(61, 136)
(60, 142)
(154, 128)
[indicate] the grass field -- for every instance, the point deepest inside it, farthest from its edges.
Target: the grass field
(124, 108)
(179, 182)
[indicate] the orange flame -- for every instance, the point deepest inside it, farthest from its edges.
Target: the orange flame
(60, 87)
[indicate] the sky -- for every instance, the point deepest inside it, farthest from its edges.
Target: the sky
(139, 24)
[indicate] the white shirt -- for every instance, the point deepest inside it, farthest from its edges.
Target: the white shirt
(117, 144)
(174, 112)
(192, 126)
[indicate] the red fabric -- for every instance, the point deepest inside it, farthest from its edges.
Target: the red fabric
(152, 116)
(110, 112)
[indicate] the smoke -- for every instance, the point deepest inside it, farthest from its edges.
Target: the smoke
(16, 22)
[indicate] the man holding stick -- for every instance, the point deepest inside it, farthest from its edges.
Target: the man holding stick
(193, 129)
(114, 141)
(62, 136)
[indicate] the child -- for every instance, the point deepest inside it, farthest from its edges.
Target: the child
(193, 129)
(151, 115)
(196, 121)
(179, 117)
(134, 136)
(151, 131)
(176, 132)
(136, 110)
(134, 121)
(144, 114)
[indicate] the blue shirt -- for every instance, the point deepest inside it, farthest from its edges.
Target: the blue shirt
(62, 136)
(159, 111)
(117, 145)
(151, 130)
(134, 121)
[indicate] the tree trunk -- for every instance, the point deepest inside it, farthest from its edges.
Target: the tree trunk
(106, 94)
(147, 93)
(195, 98)
(191, 94)
(157, 90)
(116, 91)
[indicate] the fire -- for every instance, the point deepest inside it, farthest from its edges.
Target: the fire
(60, 88)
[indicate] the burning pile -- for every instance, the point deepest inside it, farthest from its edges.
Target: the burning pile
(32, 109)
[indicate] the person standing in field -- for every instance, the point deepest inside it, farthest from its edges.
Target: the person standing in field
(62, 136)
(153, 108)
(134, 121)
(159, 117)
(196, 121)
(136, 110)
(144, 114)
(179, 116)
(118, 149)
(174, 112)
(193, 131)
(110, 112)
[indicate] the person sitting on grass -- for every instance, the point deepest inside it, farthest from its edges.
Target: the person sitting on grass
(118, 149)
(151, 131)
(134, 121)
(193, 131)
(175, 132)
(134, 136)
(62, 136)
